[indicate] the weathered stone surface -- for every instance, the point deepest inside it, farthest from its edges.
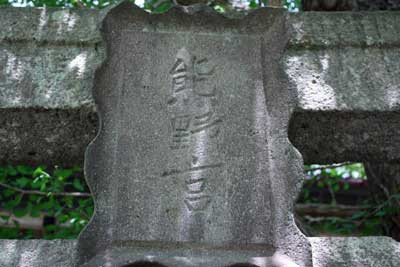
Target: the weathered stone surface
(355, 251)
(32, 76)
(192, 157)
(352, 69)
(50, 25)
(47, 63)
(37, 253)
(48, 57)
(326, 137)
(347, 83)
(46, 136)
(365, 102)
(318, 56)
(326, 251)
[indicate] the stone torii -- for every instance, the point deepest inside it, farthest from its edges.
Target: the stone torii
(193, 165)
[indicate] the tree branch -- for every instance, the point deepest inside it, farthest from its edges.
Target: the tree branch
(329, 166)
(40, 193)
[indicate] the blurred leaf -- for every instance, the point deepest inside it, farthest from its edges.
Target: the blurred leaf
(22, 182)
(69, 201)
(380, 213)
(11, 171)
(63, 173)
(25, 170)
(77, 184)
(20, 212)
(38, 171)
(358, 214)
(43, 186)
(8, 192)
(346, 186)
(35, 211)
(335, 187)
(3, 174)
(11, 204)
(253, 4)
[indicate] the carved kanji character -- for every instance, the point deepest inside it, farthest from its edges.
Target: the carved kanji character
(197, 203)
(180, 131)
(206, 121)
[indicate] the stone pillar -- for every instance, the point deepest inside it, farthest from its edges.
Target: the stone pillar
(192, 165)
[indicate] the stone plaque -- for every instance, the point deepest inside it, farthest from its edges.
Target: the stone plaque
(191, 166)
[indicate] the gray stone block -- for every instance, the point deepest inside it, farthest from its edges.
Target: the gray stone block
(47, 63)
(346, 74)
(44, 51)
(37, 253)
(192, 165)
(52, 52)
(355, 251)
(48, 57)
(326, 251)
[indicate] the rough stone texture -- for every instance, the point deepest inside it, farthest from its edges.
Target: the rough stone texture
(57, 137)
(48, 57)
(47, 63)
(327, 137)
(346, 62)
(326, 251)
(335, 49)
(355, 252)
(346, 75)
(329, 44)
(193, 159)
(37, 253)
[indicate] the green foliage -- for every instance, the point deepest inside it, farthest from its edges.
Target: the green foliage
(59, 3)
(155, 6)
(253, 4)
(367, 221)
(62, 194)
(292, 5)
(336, 174)
(35, 192)
(338, 171)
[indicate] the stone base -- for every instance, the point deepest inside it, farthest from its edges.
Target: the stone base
(152, 254)
(327, 251)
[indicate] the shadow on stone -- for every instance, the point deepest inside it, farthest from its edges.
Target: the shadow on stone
(243, 265)
(144, 264)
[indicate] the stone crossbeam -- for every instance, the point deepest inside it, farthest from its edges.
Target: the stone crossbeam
(344, 67)
(342, 70)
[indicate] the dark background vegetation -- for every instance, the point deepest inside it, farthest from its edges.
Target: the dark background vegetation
(55, 202)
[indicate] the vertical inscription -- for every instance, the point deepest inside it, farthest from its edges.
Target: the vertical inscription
(194, 120)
